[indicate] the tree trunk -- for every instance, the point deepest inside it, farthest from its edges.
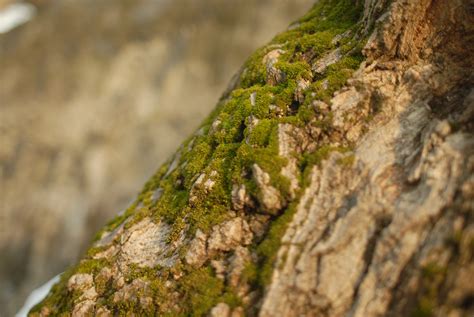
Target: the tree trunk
(334, 178)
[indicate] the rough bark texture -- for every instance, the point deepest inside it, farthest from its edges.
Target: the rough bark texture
(312, 190)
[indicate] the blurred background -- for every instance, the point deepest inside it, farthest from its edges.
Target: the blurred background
(94, 96)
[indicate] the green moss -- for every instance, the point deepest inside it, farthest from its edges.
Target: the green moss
(454, 241)
(346, 161)
(335, 77)
(196, 159)
(201, 291)
(268, 160)
(230, 298)
(431, 270)
(268, 248)
(425, 308)
(331, 15)
(318, 43)
(90, 266)
(259, 136)
(311, 159)
(145, 273)
(294, 71)
(255, 71)
(59, 298)
(431, 281)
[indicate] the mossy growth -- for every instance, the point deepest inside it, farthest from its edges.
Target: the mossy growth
(268, 248)
(228, 143)
(259, 274)
(59, 299)
(195, 185)
(432, 278)
(346, 161)
(201, 290)
(436, 279)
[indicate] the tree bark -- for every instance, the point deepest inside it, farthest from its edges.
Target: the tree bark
(334, 178)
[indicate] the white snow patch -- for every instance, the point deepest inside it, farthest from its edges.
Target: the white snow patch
(37, 296)
(14, 15)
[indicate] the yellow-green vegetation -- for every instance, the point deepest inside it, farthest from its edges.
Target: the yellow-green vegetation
(259, 274)
(346, 160)
(433, 276)
(202, 291)
(242, 131)
(228, 145)
(436, 279)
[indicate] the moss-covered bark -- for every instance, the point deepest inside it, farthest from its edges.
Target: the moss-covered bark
(305, 193)
(281, 83)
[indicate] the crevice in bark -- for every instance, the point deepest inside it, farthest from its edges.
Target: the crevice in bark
(380, 225)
